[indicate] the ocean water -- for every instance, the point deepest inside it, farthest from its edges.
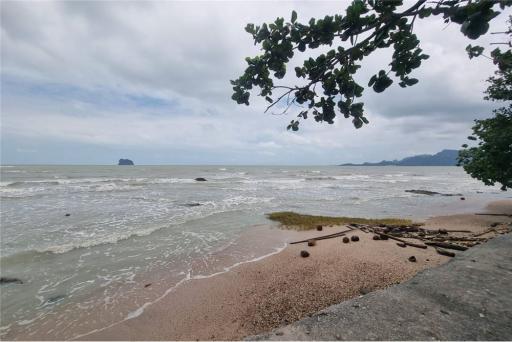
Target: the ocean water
(133, 226)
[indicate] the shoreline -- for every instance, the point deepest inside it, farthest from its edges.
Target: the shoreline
(278, 288)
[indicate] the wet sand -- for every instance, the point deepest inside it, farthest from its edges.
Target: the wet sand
(259, 296)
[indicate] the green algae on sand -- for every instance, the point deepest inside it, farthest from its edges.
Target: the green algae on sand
(291, 220)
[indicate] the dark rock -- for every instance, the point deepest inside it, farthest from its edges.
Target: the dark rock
(8, 280)
(495, 224)
(304, 254)
(279, 333)
(354, 238)
(319, 227)
(125, 162)
(311, 242)
(147, 285)
(55, 299)
(443, 231)
(383, 237)
(462, 198)
(423, 192)
(200, 179)
(191, 204)
(412, 258)
(429, 193)
(364, 290)
(376, 237)
(401, 244)
(346, 240)
(67, 214)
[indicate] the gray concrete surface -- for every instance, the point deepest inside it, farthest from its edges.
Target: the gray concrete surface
(468, 298)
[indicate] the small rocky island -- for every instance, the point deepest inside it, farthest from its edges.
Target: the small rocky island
(125, 162)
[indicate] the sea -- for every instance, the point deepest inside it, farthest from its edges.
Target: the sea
(95, 245)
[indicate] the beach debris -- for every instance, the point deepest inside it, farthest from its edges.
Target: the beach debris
(412, 258)
(319, 228)
(401, 244)
(492, 214)
(346, 240)
(67, 214)
(311, 242)
(304, 254)
(495, 224)
(147, 285)
(443, 231)
(323, 237)
(403, 241)
(200, 179)
(485, 232)
(445, 252)
(376, 237)
(9, 280)
(354, 238)
(446, 245)
(462, 198)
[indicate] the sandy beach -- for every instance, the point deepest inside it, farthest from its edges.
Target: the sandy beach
(259, 296)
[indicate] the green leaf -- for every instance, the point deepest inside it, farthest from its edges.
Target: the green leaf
(294, 16)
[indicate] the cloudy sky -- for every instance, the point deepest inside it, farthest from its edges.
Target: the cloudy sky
(91, 82)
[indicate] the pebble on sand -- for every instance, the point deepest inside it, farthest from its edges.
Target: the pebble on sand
(346, 240)
(311, 242)
(304, 254)
(319, 227)
(354, 238)
(412, 258)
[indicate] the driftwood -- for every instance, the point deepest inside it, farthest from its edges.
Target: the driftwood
(445, 252)
(486, 214)
(446, 245)
(485, 232)
(323, 237)
(403, 241)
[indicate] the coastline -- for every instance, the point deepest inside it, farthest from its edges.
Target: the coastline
(256, 297)
(279, 288)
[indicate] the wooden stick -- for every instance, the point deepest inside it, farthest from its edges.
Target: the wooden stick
(403, 241)
(485, 232)
(322, 237)
(510, 215)
(446, 245)
(445, 252)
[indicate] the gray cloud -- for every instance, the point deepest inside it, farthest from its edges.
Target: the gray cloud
(155, 75)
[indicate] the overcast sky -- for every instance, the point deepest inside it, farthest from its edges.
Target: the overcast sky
(91, 82)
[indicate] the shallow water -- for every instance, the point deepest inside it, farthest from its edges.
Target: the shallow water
(127, 223)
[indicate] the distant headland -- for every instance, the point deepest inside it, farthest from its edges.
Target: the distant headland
(443, 158)
(125, 162)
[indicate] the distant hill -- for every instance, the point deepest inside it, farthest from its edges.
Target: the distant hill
(125, 162)
(443, 158)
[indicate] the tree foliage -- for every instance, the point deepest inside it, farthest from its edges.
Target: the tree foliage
(327, 81)
(491, 160)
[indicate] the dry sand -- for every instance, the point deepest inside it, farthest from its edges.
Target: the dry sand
(256, 297)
